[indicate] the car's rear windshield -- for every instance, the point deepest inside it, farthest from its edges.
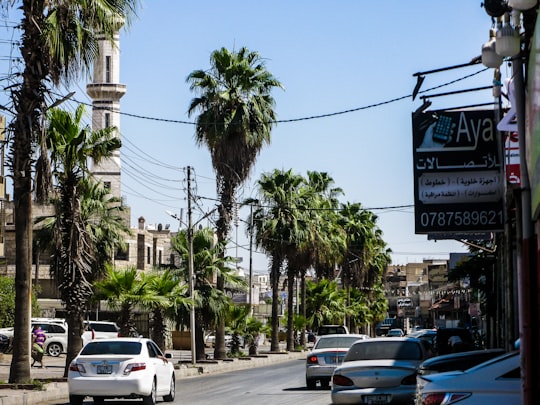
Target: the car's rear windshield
(98, 348)
(344, 342)
(380, 350)
(330, 330)
(103, 327)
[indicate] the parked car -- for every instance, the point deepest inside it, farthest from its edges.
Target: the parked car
(210, 340)
(121, 368)
(395, 333)
(56, 332)
(494, 382)
(457, 361)
(332, 330)
(438, 338)
(327, 353)
(5, 343)
(379, 371)
(99, 330)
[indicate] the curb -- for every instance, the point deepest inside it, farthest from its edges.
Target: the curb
(53, 391)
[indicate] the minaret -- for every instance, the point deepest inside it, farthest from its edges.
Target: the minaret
(106, 92)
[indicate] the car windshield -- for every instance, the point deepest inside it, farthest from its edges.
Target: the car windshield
(99, 348)
(380, 350)
(337, 341)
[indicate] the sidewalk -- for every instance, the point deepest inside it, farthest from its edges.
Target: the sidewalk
(57, 388)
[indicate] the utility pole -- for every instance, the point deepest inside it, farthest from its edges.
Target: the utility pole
(190, 264)
(250, 287)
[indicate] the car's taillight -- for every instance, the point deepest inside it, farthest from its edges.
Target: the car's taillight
(444, 398)
(134, 367)
(343, 381)
(409, 380)
(312, 360)
(77, 367)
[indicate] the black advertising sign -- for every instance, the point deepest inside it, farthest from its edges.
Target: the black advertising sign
(458, 181)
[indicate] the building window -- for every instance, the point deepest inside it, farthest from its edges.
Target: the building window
(148, 252)
(107, 69)
(159, 257)
(122, 254)
(107, 185)
(107, 120)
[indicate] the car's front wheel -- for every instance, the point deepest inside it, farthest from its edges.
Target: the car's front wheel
(151, 399)
(76, 399)
(172, 391)
(54, 349)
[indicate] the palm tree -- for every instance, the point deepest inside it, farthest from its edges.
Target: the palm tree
(211, 304)
(124, 290)
(169, 295)
(235, 119)
(275, 224)
(59, 41)
(326, 303)
(86, 227)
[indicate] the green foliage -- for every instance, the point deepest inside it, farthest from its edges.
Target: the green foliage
(7, 302)
(325, 303)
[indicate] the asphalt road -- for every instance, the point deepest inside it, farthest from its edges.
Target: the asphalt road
(282, 384)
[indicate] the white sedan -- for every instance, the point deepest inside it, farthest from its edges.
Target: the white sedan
(494, 382)
(121, 368)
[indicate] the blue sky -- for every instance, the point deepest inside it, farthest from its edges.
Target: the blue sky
(331, 57)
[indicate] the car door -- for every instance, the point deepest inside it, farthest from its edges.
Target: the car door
(161, 365)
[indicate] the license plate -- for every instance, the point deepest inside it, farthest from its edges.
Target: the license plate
(107, 369)
(377, 399)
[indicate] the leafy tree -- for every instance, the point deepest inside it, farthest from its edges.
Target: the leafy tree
(235, 119)
(59, 41)
(7, 302)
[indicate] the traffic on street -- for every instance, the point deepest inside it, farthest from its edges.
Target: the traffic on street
(283, 384)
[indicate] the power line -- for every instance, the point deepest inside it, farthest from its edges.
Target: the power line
(307, 118)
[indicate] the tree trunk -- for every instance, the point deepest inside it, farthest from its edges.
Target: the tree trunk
(276, 267)
(290, 309)
(75, 320)
(200, 351)
(28, 101)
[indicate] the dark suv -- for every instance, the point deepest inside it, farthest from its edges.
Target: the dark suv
(438, 339)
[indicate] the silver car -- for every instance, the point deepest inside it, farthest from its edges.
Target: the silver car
(327, 353)
(494, 382)
(379, 371)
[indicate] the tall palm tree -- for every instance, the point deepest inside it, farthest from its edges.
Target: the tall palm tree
(211, 304)
(320, 212)
(59, 40)
(86, 227)
(236, 115)
(275, 221)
